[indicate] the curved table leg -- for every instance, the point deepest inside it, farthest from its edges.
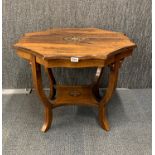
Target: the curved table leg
(114, 68)
(37, 80)
(52, 82)
(97, 81)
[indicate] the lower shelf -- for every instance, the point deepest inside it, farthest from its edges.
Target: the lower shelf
(74, 95)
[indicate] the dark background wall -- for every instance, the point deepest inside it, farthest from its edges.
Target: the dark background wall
(133, 17)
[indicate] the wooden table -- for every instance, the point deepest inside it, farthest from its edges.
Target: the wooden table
(75, 48)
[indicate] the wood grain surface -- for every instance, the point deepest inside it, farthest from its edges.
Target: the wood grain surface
(84, 43)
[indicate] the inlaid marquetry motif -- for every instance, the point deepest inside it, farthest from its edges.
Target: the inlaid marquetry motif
(74, 39)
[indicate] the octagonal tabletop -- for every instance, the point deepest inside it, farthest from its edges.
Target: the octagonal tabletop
(84, 43)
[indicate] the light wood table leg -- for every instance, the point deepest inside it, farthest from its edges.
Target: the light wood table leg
(52, 82)
(97, 81)
(113, 75)
(37, 80)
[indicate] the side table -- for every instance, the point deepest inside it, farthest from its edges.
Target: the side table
(75, 48)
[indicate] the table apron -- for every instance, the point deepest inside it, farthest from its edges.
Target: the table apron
(52, 63)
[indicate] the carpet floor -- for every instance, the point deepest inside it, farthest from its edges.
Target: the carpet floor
(75, 129)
